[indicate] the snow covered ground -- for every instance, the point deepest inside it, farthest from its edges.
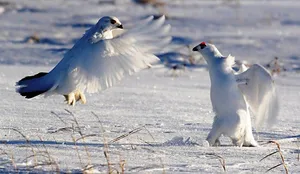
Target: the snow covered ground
(170, 116)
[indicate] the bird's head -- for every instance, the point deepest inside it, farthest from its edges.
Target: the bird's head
(109, 23)
(212, 54)
(208, 51)
(103, 29)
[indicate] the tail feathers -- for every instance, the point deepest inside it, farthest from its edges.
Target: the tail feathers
(22, 81)
(31, 86)
(30, 94)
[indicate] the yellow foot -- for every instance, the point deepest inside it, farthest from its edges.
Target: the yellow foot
(75, 96)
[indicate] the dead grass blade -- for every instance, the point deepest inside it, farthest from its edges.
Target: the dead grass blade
(77, 151)
(55, 114)
(50, 158)
(163, 166)
(221, 160)
(127, 134)
(105, 147)
(40, 154)
(274, 167)
(281, 156)
(88, 169)
(269, 155)
(63, 129)
(85, 136)
(298, 149)
(81, 136)
(122, 165)
(26, 138)
(76, 122)
(11, 157)
(18, 131)
(48, 163)
(149, 133)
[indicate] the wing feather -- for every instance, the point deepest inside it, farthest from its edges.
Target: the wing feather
(96, 66)
(258, 87)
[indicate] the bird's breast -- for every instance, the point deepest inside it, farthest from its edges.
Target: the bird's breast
(225, 94)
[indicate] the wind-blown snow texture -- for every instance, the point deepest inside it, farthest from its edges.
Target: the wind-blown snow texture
(175, 111)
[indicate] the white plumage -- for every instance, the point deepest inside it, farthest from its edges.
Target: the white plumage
(98, 60)
(234, 94)
(258, 88)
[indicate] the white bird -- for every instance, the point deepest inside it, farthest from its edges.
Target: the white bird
(234, 94)
(100, 59)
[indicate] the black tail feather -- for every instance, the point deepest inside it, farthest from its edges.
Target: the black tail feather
(31, 86)
(41, 74)
(31, 94)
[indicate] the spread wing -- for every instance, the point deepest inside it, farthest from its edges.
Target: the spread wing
(96, 66)
(258, 88)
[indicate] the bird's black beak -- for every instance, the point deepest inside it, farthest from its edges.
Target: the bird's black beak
(195, 48)
(120, 26)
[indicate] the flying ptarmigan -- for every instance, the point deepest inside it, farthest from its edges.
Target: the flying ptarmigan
(234, 94)
(100, 59)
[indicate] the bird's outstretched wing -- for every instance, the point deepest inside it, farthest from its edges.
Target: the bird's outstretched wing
(95, 66)
(258, 88)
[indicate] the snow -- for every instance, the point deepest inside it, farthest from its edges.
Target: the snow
(174, 113)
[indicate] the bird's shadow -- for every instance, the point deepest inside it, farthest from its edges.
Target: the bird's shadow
(75, 25)
(39, 142)
(181, 40)
(274, 135)
(59, 51)
(31, 10)
(48, 41)
(70, 143)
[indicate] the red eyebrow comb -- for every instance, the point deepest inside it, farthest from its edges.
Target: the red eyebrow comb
(202, 45)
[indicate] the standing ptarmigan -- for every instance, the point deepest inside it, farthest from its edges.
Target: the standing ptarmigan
(234, 94)
(100, 59)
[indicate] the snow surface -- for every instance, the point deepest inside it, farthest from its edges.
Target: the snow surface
(174, 113)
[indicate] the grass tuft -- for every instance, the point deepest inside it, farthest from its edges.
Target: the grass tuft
(221, 160)
(281, 157)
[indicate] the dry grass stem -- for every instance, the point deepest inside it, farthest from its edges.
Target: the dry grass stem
(81, 136)
(274, 167)
(78, 154)
(127, 134)
(26, 138)
(162, 165)
(105, 149)
(51, 159)
(63, 129)
(122, 164)
(86, 136)
(149, 133)
(10, 155)
(281, 157)
(298, 152)
(269, 155)
(221, 159)
(55, 114)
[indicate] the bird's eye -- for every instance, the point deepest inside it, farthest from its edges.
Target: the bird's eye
(113, 21)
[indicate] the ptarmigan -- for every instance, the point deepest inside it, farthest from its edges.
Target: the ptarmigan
(100, 59)
(234, 94)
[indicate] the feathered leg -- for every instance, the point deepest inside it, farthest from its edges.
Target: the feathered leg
(237, 127)
(249, 139)
(238, 141)
(215, 133)
(75, 96)
(80, 96)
